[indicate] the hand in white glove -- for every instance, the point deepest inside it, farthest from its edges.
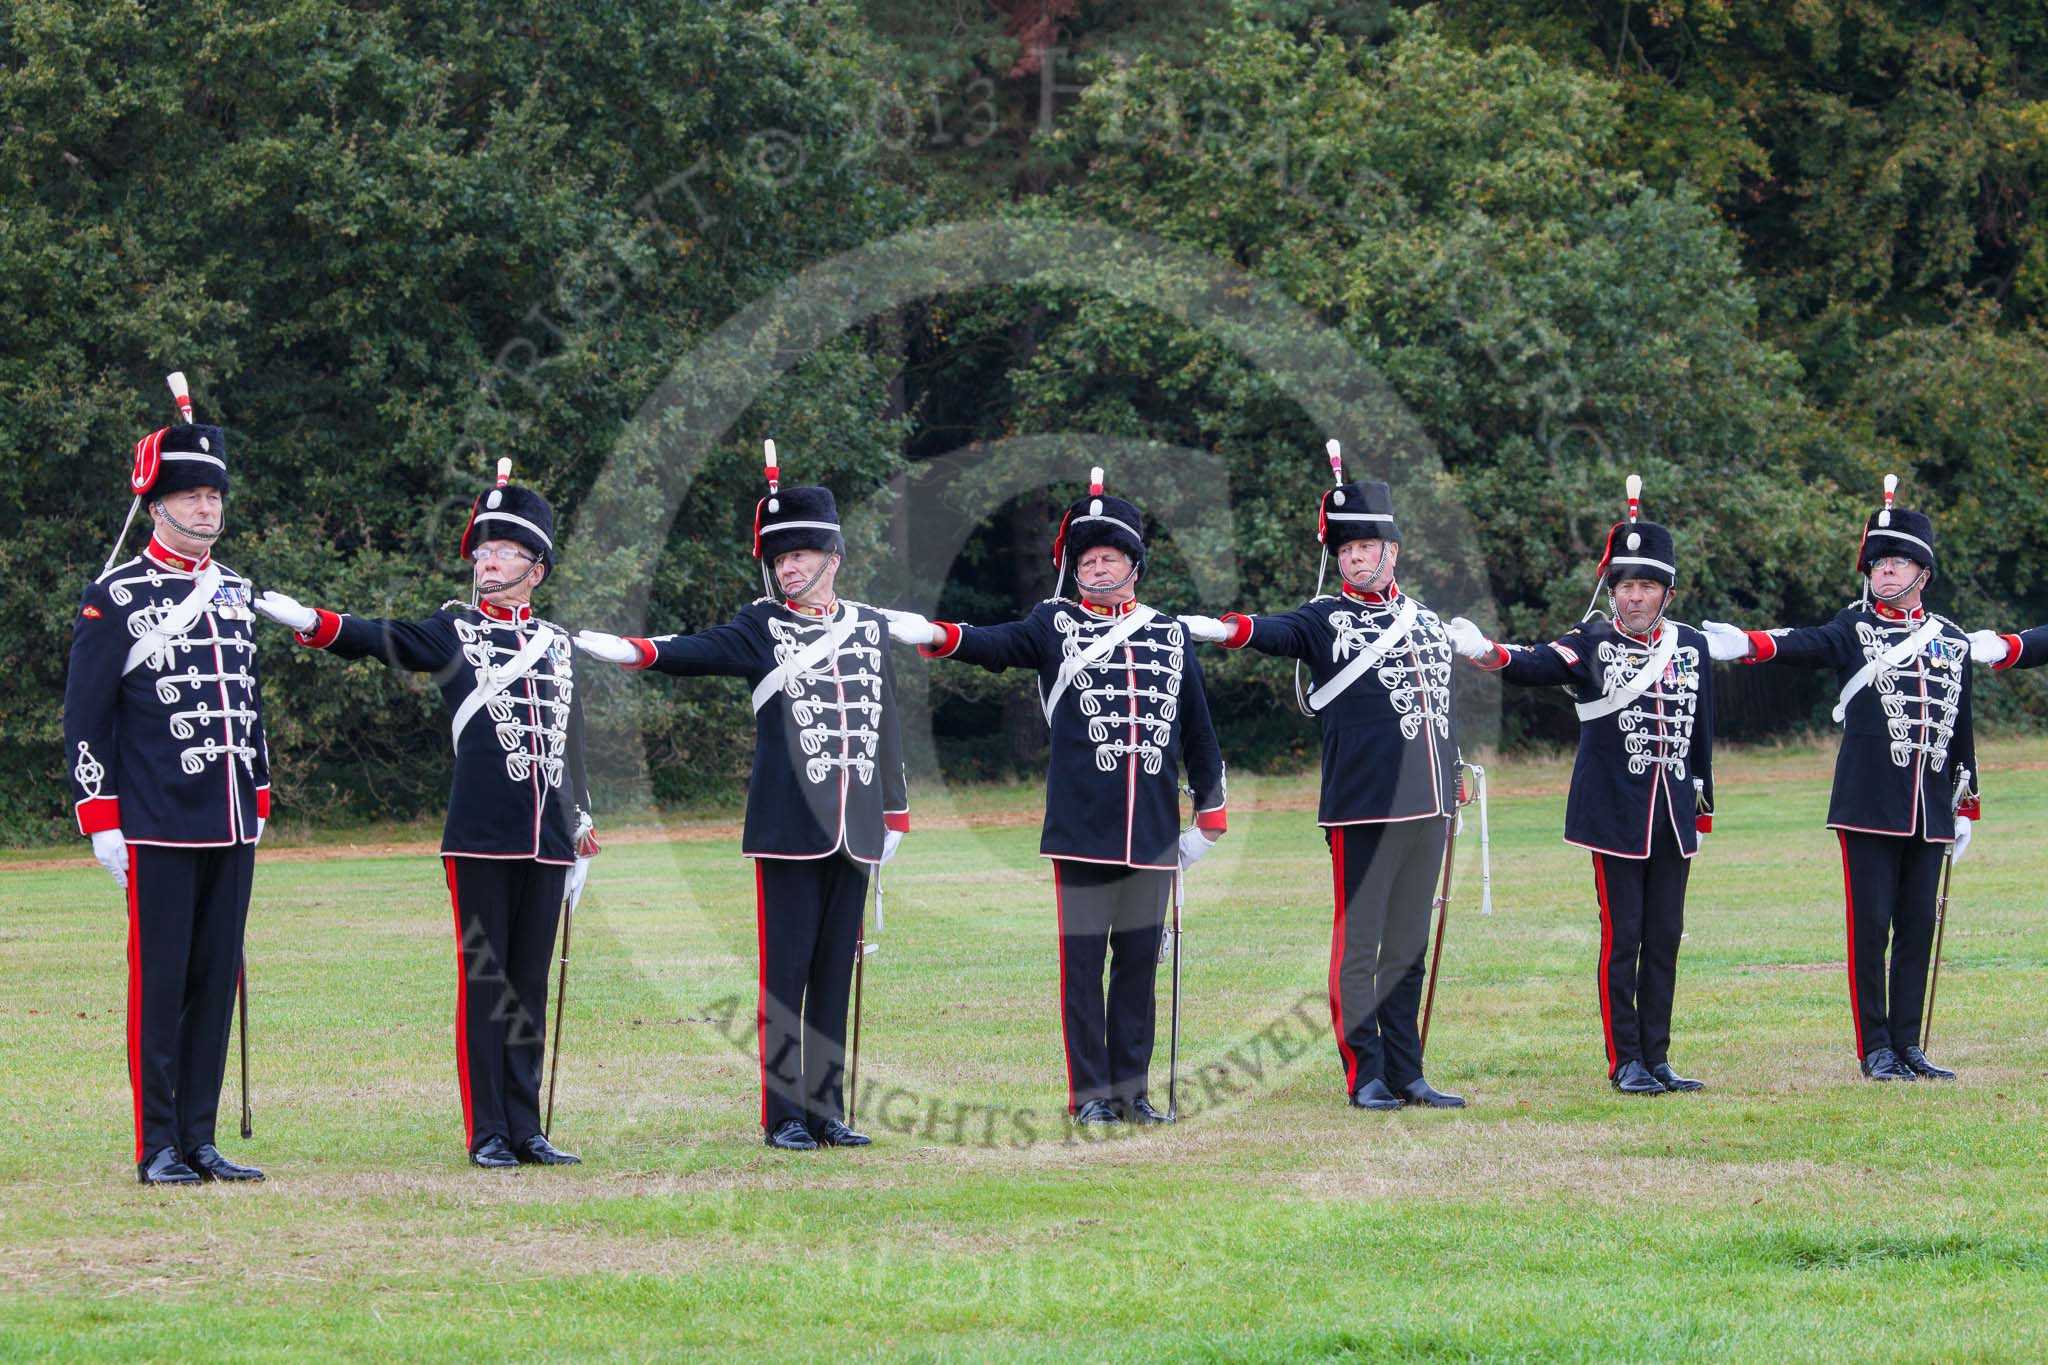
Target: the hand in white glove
(613, 649)
(572, 890)
(1206, 628)
(260, 823)
(111, 849)
(1962, 843)
(1194, 846)
(908, 628)
(1987, 647)
(286, 611)
(1725, 643)
(891, 838)
(1468, 639)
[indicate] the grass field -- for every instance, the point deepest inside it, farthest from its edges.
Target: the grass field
(1790, 1212)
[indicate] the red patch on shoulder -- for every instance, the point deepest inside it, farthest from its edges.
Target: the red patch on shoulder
(91, 613)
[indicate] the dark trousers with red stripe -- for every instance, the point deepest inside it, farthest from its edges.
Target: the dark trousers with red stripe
(506, 912)
(808, 918)
(187, 908)
(1108, 914)
(1642, 918)
(1385, 878)
(1890, 882)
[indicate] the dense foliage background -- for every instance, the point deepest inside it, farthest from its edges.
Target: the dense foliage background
(1761, 253)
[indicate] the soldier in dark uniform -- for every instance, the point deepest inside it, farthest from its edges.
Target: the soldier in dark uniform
(826, 803)
(170, 776)
(1642, 788)
(1904, 794)
(519, 834)
(1122, 694)
(1382, 688)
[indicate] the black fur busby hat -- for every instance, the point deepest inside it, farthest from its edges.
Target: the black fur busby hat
(1096, 520)
(1895, 531)
(180, 457)
(508, 512)
(804, 518)
(1354, 511)
(1638, 549)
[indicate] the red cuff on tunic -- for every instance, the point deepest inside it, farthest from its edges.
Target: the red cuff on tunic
(2012, 651)
(898, 820)
(1703, 823)
(646, 648)
(947, 646)
(1972, 809)
(98, 814)
(323, 632)
(1762, 648)
(1496, 663)
(263, 803)
(1240, 629)
(1217, 820)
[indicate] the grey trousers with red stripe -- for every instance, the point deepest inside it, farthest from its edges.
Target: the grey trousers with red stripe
(1890, 883)
(1385, 879)
(187, 908)
(808, 919)
(506, 911)
(1642, 919)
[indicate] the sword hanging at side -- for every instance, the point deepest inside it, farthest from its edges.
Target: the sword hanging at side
(1964, 791)
(861, 948)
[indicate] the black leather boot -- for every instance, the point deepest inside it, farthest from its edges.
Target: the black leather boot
(833, 1133)
(1140, 1110)
(493, 1155)
(1917, 1062)
(538, 1151)
(166, 1167)
(211, 1165)
(1671, 1080)
(1635, 1079)
(1374, 1095)
(790, 1135)
(1420, 1091)
(1094, 1112)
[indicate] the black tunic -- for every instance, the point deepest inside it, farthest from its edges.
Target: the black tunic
(170, 751)
(1122, 725)
(1655, 747)
(1390, 749)
(1906, 734)
(520, 789)
(828, 740)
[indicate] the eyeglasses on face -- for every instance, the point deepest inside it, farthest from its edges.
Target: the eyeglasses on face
(504, 554)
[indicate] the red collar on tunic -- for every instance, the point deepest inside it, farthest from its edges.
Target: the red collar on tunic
(1392, 594)
(522, 613)
(171, 559)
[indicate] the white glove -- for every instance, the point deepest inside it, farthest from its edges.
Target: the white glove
(1468, 640)
(1962, 843)
(572, 889)
(908, 628)
(890, 839)
(613, 649)
(1725, 643)
(286, 611)
(1987, 647)
(111, 849)
(1206, 628)
(1194, 846)
(260, 823)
